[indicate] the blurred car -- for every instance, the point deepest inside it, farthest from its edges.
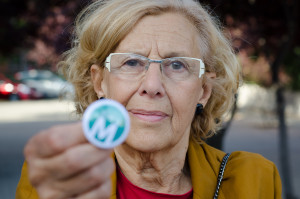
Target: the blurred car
(45, 84)
(13, 90)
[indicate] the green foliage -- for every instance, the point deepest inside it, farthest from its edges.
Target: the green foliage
(18, 23)
(292, 68)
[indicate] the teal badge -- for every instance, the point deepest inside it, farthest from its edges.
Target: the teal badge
(106, 123)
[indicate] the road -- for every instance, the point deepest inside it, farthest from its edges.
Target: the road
(20, 120)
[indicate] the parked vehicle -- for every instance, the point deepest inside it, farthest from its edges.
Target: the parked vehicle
(44, 83)
(13, 90)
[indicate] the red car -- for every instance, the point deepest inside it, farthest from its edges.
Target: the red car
(12, 90)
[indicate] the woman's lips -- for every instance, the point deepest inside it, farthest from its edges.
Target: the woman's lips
(149, 116)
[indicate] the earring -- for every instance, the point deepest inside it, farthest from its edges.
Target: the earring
(199, 109)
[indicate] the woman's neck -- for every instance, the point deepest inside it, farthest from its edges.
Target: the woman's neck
(160, 171)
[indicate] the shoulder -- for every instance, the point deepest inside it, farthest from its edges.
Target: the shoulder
(251, 174)
(239, 159)
(249, 159)
(247, 175)
(249, 164)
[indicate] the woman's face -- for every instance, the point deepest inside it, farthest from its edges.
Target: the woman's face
(161, 110)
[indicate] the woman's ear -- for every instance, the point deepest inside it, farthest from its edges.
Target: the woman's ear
(97, 80)
(207, 88)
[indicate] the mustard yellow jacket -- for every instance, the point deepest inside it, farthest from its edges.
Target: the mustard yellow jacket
(247, 175)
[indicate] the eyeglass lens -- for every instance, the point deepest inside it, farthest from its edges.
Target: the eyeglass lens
(132, 65)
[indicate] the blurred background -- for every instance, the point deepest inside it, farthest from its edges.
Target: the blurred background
(266, 116)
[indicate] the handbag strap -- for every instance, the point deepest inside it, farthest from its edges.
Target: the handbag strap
(221, 173)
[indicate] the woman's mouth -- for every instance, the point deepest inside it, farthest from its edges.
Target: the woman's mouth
(149, 116)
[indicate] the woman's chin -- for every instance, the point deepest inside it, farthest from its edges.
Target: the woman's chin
(146, 144)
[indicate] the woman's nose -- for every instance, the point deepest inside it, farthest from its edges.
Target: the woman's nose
(152, 84)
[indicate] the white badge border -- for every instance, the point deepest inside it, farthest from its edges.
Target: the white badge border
(85, 123)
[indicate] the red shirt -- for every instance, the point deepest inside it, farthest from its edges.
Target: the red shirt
(125, 190)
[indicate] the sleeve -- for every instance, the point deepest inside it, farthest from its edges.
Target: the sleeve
(24, 189)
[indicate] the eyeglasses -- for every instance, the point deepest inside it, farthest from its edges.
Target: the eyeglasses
(131, 66)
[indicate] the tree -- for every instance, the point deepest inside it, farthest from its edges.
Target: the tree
(36, 30)
(266, 29)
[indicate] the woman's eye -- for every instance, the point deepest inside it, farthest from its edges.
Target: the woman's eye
(132, 62)
(176, 65)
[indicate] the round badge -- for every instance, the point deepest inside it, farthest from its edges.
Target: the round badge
(106, 123)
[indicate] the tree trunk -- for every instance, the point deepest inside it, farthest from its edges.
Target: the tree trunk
(284, 155)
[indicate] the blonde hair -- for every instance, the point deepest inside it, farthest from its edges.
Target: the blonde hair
(102, 25)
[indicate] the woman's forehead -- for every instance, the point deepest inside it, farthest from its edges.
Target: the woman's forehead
(167, 34)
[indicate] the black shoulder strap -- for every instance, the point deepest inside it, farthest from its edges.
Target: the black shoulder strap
(221, 173)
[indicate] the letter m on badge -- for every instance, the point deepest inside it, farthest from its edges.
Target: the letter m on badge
(102, 132)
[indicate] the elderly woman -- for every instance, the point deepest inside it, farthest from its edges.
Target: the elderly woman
(176, 74)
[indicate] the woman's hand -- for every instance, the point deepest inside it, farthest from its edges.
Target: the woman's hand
(62, 164)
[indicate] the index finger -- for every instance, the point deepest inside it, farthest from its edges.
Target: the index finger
(55, 140)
